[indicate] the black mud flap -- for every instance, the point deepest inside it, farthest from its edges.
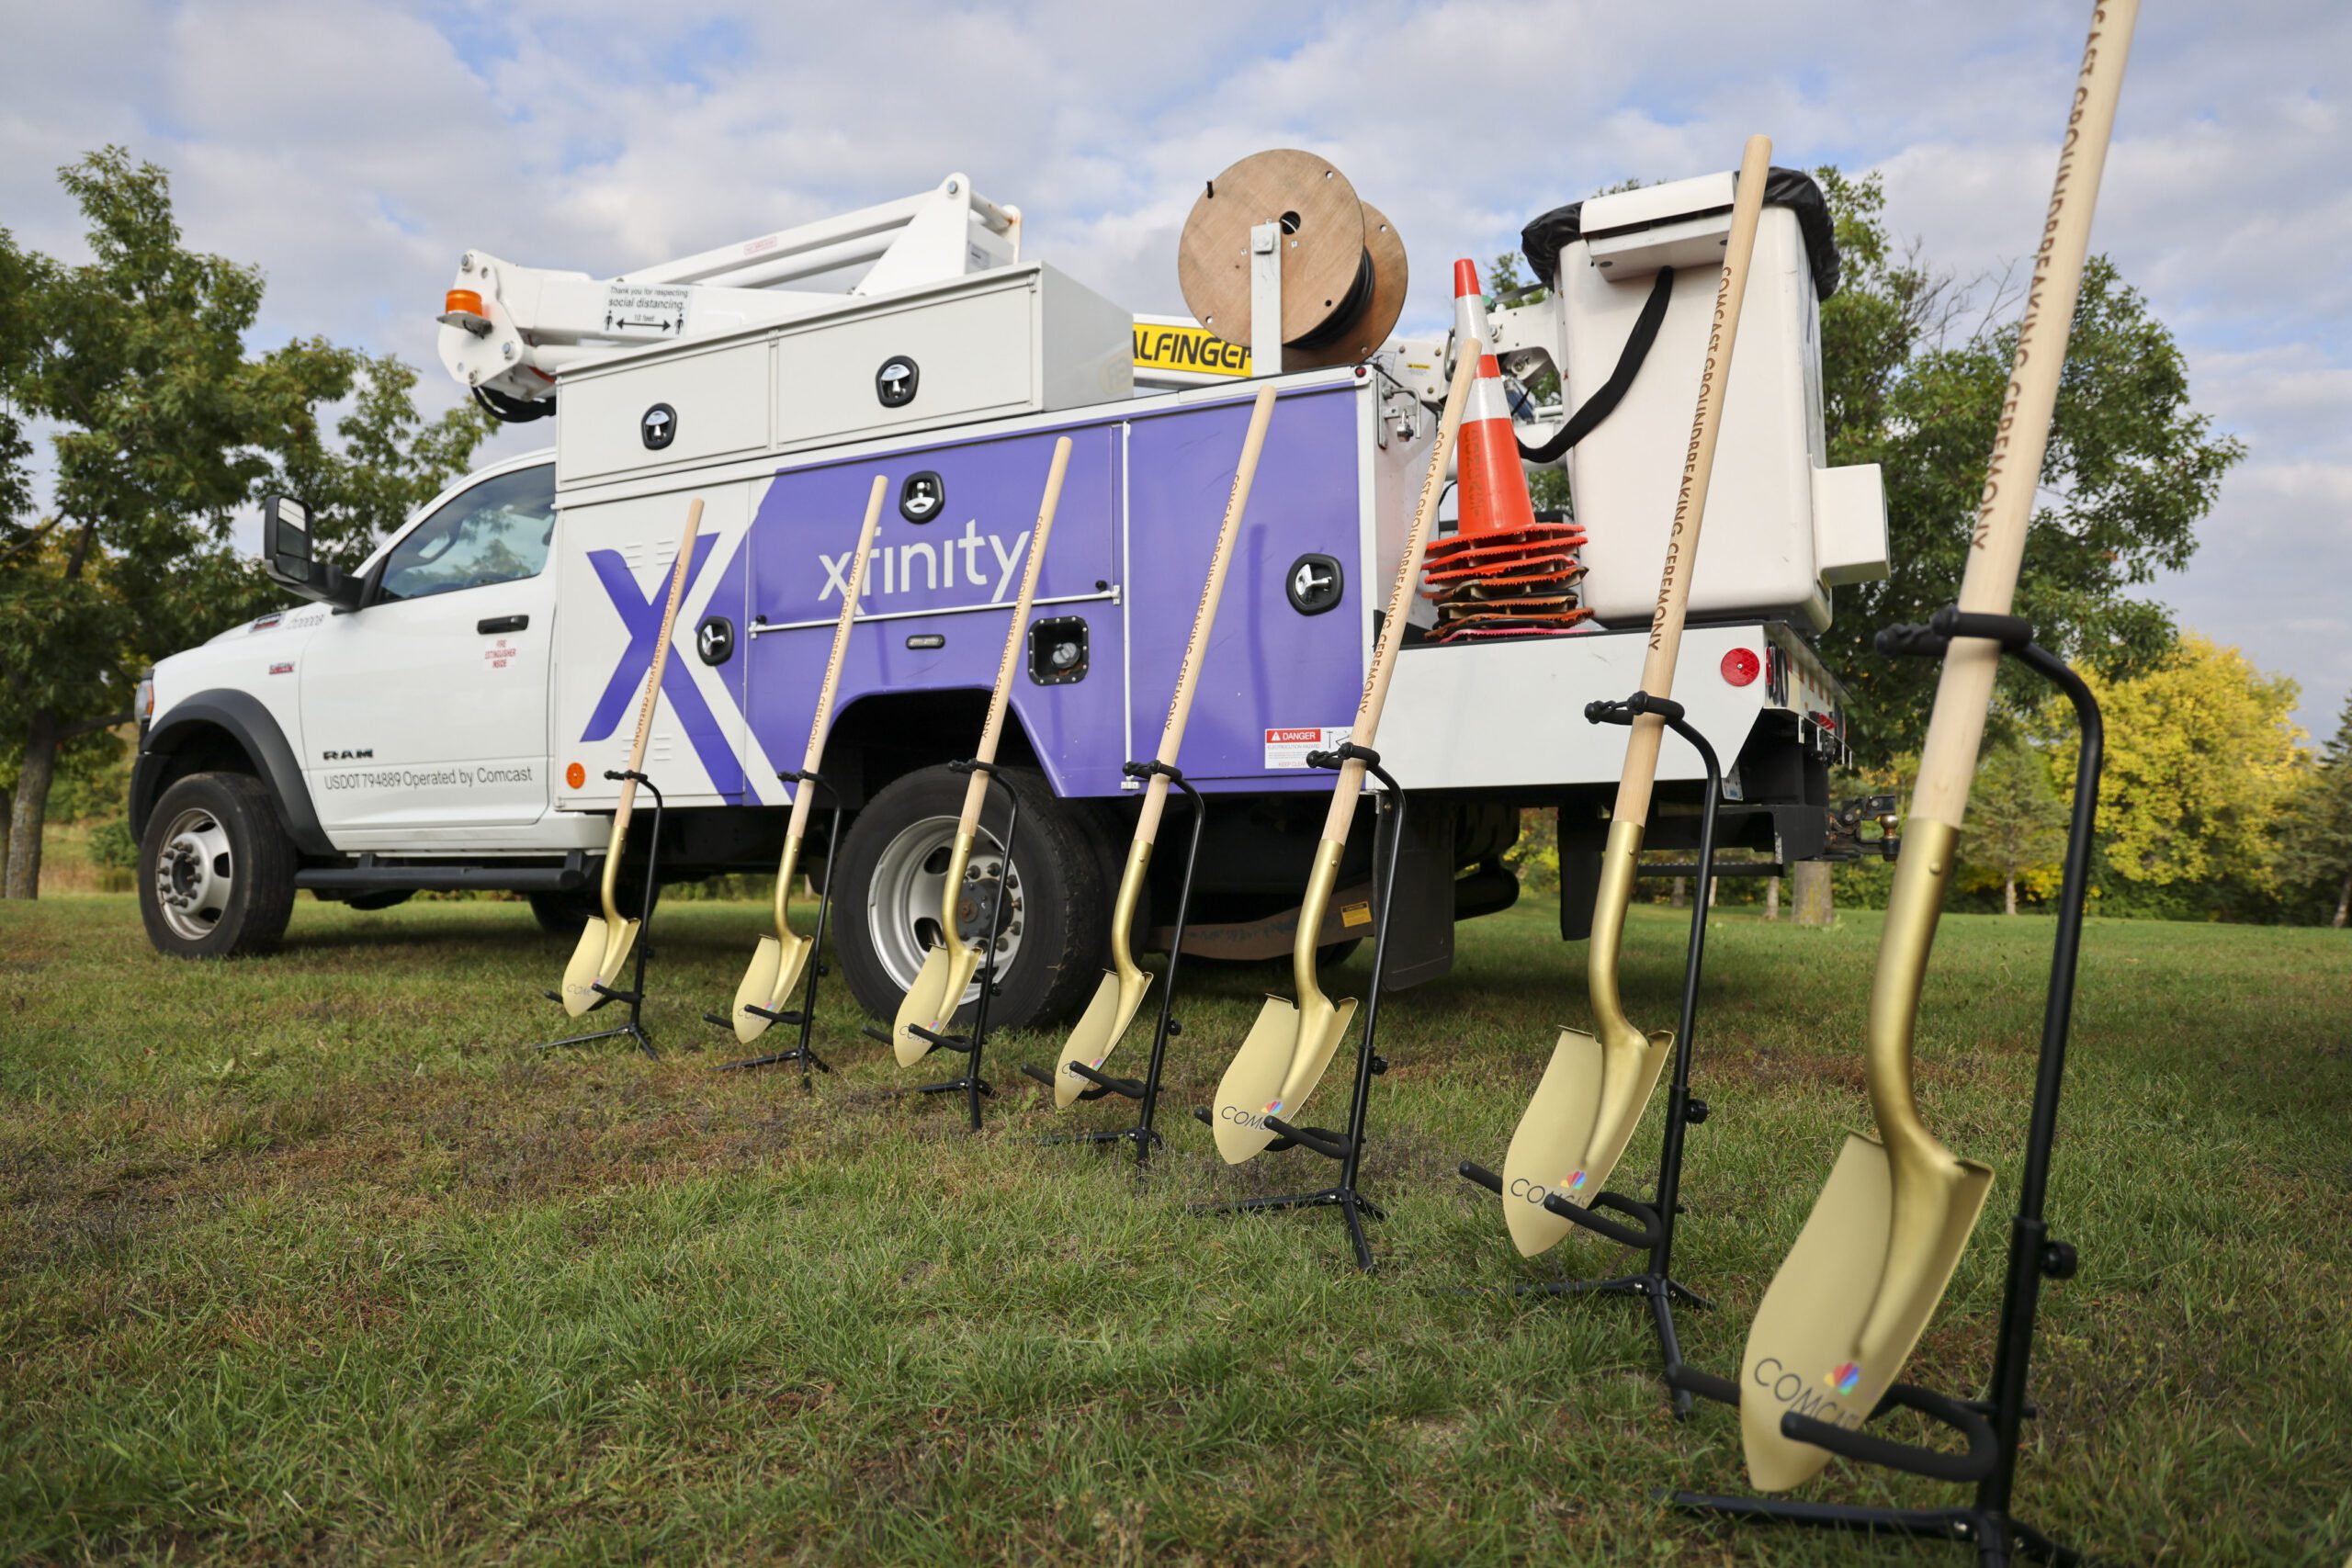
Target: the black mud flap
(1421, 935)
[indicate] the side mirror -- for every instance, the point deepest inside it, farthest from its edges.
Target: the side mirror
(286, 540)
(286, 554)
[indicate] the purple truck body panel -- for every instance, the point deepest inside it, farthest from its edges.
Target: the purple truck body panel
(1268, 666)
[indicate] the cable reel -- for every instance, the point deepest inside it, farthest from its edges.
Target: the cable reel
(1343, 269)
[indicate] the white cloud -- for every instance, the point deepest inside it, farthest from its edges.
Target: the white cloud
(355, 149)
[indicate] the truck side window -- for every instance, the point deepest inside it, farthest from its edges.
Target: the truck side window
(496, 532)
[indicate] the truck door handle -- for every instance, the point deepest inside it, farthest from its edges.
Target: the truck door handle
(503, 624)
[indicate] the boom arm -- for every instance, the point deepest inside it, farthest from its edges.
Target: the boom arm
(509, 329)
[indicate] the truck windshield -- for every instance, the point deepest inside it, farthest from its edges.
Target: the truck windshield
(496, 532)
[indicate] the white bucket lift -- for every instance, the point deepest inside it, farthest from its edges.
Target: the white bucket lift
(1782, 528)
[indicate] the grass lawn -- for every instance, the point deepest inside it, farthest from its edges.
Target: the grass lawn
(312, 1257)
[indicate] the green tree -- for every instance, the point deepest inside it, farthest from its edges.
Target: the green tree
(166, 429)
(2316, 850)
(2017, 823)
(1913, 369)
(2203, 756)
(1915, 362)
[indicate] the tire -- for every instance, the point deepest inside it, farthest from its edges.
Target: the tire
(215, 869)
(884, 908)
(564, 914)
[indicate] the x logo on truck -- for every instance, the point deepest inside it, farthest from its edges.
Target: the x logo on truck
(642, 617)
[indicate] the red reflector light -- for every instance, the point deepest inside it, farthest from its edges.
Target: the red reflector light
(1740, 666)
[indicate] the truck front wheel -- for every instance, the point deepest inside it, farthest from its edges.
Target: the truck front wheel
(893, 864)
(215, 869)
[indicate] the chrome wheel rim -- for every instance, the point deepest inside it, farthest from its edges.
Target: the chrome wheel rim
(195, 875)
(902, 899)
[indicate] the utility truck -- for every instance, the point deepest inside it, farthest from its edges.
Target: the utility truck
(444, 715)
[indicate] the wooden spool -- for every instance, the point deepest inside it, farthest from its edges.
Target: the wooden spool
(1344, 264)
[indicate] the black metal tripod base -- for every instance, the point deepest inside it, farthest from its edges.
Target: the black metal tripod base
(605, 995)
(1999, 1538)
(971, 1088)
(1100, 1136)
(632, 1030)
(807, 1056)
(1353, 1206)
(804, 1053)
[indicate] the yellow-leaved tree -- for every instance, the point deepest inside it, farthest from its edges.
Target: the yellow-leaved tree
(2203, 755)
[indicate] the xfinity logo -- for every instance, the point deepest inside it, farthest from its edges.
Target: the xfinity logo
(360, 755)
(945, 563)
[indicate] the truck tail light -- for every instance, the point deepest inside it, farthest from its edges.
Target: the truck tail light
(1740, 667)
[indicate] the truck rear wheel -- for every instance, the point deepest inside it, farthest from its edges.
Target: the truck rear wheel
(887, 904)
(215, 869)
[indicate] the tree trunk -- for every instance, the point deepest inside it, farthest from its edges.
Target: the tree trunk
(1810, 881)
(1676, 902)
(2009, 897)
(2343, 904)
(1771, 898)
(1712, 883)
(30, 805)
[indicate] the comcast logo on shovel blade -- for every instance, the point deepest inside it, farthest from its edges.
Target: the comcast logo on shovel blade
(1845, 1377)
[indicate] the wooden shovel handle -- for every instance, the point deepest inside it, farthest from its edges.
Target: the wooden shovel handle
(977, 792)
(1989, 583)
(803, 793)
(1400, 597)
(1640, 774)
(685, 564)
(1196, 645)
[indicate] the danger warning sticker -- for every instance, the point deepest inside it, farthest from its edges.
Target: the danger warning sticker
(1288, 748)
(1167, 346)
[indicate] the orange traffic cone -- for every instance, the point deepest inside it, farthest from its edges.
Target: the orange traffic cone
(1502, 572)
(1496, 536)
(1470, 308)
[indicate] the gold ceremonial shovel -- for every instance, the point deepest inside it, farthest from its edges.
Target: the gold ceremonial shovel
(1591, 1097)
(947, 969)
(1283, 1056)
(1846, 1309)
(1106, 1018)
(604, 945)
(776, 964)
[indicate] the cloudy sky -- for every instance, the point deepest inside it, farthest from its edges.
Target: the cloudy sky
(354, 150)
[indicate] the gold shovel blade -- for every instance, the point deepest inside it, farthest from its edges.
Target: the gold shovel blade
(1631, 1063)
(596, 961)
(933, 1000)
(1804, 1350)
(775, 968)
(1284, 1044)
(1099, 1031)
(1547, 1148)
(919, 1007)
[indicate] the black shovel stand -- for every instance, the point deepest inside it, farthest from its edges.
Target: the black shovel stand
(635, 996)
(1653, 1226)
(1989, 1425)
(805, 1015)
(1347, 1147)
(1145, 1091)
(971, 1086)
